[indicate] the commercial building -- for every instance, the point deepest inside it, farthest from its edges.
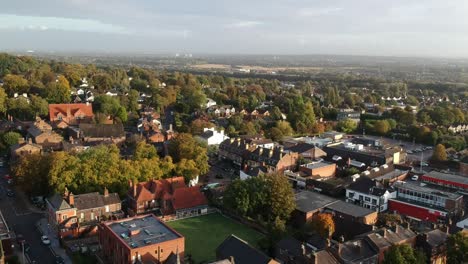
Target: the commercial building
(370, 155)
(369, 194)
(142, 239)
(420, 202)
(452, 181)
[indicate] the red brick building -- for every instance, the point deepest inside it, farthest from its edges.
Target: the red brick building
(141, 239)
(166, 197)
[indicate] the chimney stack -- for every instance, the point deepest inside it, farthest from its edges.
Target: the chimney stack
(106, 192)
(134, 190)
(303, 249)
(71, 199)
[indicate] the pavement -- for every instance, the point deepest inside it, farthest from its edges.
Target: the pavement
(44, 228)
(21, 217)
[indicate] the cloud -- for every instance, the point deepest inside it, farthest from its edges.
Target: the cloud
(244, 24)
(13, 22)
(312, 12)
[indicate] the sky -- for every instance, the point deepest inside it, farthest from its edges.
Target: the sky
(436, 28)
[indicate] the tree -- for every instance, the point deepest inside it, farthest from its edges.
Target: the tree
(58, 92)
(439, 154)
(38, 106)
(30, 172)
(15, 84)
(10, 138)
(275, 134)
(285, 128)
(3, 100)
(403, 254)
(346, 125)
(144, 151)
(237, 197)
(457, 248)
(280, 197)
(381, 127)
(110, 106)
(184, 146)
(323, 224)
(188, 169)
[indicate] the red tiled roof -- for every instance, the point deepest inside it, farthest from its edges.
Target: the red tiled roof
(69, 110)
(188, 198)
(156, 189)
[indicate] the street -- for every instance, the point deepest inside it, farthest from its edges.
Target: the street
(23, 221)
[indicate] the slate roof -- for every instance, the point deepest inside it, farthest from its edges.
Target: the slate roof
(306, 147)
(269, 156)
(34, 131)
(349, 209)
(436, 237)
(207, 134)
(307, 201)
(58, 202)
(94, 200)
(241, 251)
(356, 250)
(189, 197)
(367, 185)
(102, 130)
(386, 237)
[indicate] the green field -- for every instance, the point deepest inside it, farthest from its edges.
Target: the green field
(204, 233)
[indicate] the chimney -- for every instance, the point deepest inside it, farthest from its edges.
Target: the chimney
(71, 199)
(231, 259)
(340, 248)
(134, 190)
(303, 249)
(30, 140)
(247, 146)
(65, 193)
(106, 192)
(130, 183)
(385, 232)
(260, 151)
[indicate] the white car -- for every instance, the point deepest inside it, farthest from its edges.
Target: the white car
(415, 178)
(45, 240)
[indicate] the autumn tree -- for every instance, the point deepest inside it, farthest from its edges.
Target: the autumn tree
(58, 91)
(15, 84)
(439, 154)
(144, 151)
(3, 101)
(30, 172)
(323, 224)
(403, 254)
(184, 146)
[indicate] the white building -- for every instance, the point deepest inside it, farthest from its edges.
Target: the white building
(366, 193)
(212, 137)
(210, 102)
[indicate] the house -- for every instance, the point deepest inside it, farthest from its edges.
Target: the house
(240, 252)
(42, 125)
(46, 139)
(350, 220)
(76, 215)
(140, 239)
(419, 201)
(355, 251)
(99, 133)
(275, 159)
(348, 114)
(212, 137)
(112, 93)
(434, 244)
(369, 194)
(291, 251)
(64, 115)
(25, 148)
(210, 102)
(235, 150)
(223, 110)
(307, 151)
(384, 238)
(166, 197)
(250, 172)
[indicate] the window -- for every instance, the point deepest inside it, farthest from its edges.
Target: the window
(351, 195)
(367, 199)
(64, 217)
(82, 215)
(360, 197)
(374, 201)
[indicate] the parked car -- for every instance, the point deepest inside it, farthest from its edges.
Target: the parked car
(45, 240)
(415, 178)
(59, 260)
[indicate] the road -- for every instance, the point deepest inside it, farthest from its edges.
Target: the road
(23, 221)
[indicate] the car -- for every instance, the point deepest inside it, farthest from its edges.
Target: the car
(415, 178)
(20, 239)
(429, 148)
(59, 260)
(409, 151)
(45, 240)
(10, 193)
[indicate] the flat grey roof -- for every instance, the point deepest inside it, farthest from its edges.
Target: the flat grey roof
(149, 231)
(349, 209)
(307, 201)
(426, 189)
(315, 165)
(448, 177)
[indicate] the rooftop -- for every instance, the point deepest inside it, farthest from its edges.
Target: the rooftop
(315, 165)
(426, 189)
(241, 251)
(307, 201)
(349, 209)
(142, 231)
(448, 177)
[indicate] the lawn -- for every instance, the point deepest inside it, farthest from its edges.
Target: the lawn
(204, 233)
